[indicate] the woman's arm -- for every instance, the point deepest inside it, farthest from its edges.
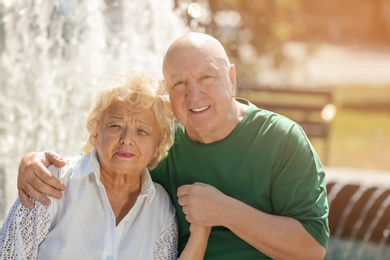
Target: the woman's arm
(166, 246)
(197, 243)
(24, 230)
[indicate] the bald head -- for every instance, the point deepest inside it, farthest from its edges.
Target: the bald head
(201, 84)
(194, 42)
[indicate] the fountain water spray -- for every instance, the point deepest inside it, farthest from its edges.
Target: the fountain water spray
(54, 55)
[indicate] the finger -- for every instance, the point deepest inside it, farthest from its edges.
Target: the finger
(187, 210)
(201, 184)
(184, 209)
(183, 190)
(53, 186)
(44, 182)
(33, 193)
(54, 158)
(182, 201)
(25, 199)
(188, 218)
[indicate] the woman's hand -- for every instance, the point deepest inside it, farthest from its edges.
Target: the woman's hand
(35, 180)
(200, 232)
(197, 243)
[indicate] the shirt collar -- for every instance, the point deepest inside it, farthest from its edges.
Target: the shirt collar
(89, 164)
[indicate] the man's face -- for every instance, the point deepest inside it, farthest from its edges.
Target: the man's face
(201, 88)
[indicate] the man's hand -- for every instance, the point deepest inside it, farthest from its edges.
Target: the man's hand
(205, 205)
(35, 180)
(278, 237)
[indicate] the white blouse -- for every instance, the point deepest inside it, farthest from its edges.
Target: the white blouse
(82, 225)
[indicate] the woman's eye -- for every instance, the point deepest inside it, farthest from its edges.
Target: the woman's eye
(143, 131)
(114, 126)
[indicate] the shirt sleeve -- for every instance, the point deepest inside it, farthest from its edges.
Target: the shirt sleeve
(299, 189)
(24, 230)
(166, 245)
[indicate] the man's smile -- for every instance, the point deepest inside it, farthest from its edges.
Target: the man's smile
(200, 109)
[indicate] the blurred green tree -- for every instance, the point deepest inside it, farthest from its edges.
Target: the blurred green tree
(248, 29)
(253, 29)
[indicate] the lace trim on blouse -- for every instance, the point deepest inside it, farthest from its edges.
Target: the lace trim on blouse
(166, 245)
(24, 230)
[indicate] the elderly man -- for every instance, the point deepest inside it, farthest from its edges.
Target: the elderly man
(251, 174)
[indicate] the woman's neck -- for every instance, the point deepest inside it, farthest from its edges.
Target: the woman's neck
(121, 195)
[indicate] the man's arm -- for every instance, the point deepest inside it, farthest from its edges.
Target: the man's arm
(35, 180)
(278, 237)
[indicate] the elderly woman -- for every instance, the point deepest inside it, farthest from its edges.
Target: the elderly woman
(111, 209)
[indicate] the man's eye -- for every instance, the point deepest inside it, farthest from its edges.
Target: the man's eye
(178, 84)
(205, 77)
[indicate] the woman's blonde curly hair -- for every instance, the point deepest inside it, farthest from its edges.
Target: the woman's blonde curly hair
(140, 90)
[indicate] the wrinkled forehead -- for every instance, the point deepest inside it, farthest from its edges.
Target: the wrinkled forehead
(199, 48)
(192, 60)
(126, 111)
(195, 44)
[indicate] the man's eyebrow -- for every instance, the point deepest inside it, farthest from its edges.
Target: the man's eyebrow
(210, 68)
(174, 77)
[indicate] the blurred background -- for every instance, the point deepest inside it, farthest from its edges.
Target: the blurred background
(55, 55)
(342, 46)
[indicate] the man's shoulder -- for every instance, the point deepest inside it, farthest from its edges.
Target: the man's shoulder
(269, 117)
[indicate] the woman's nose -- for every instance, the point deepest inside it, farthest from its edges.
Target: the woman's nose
(127, 137)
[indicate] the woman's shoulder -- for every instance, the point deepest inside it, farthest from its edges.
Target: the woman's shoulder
(70, 164)
(161, 193)
(162, 197)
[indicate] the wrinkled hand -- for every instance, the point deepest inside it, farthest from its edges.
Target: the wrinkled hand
(36, 181)
(204, 205)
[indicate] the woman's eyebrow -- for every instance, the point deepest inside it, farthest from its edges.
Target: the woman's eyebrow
(115, 115)
(143, 121)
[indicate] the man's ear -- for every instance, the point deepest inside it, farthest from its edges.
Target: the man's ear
(233, 78)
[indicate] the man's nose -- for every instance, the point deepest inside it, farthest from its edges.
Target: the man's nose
(194, 90)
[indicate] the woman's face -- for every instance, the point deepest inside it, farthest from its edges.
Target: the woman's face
(127, 139)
